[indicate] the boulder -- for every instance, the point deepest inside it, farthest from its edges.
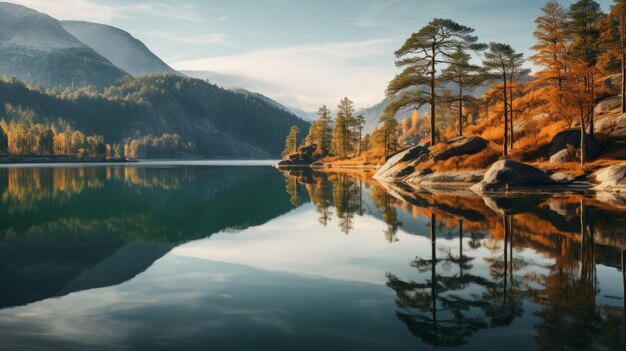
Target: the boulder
(461, 146)
(304, 157)
(615, 150)
(508, 175)
(572, 137)
(611, 178)
(463, 177)
(607, 105)
(402, 164)
(564, 156)
(612, 126)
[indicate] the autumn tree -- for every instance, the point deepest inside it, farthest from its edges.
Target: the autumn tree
(320, 133)
(342, 136)
(619, 11)
(465, 76)
(517, 72)
(420, 57)
(583, 17)
(551, 49)
(291, 142)
(386, 135)
(359, 124)
(496, 64)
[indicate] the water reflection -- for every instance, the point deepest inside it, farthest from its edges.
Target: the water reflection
(452, 299)
(379, 263)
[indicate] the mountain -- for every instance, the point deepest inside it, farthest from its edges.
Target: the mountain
(236, 84)
(307, 116)
(372, 115)
(35, 48)
(221, 123)
(119, 47)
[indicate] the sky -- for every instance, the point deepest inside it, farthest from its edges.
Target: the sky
(302, 53)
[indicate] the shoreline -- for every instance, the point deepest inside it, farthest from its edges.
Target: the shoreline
(25, 160)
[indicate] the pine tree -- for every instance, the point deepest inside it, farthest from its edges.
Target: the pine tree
(496, 65)
(386, 135)
(620, 11)
(320, 131)
(420, 56)
(291, 142)
(551, 47)
(583, 16)
(343, 136)
(465, 76)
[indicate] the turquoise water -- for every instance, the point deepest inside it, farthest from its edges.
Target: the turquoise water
(202, 256)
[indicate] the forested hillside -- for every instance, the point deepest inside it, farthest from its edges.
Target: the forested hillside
(218, 123)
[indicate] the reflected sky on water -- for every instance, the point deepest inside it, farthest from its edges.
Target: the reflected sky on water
(247, 257)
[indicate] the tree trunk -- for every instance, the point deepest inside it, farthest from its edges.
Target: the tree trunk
(511, 141)
(506, 124)
(582, 137)
(592, 97)
(433, 136)
(623, 48)
(460, 111)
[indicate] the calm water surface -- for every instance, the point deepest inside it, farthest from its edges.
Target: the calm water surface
(214, 256)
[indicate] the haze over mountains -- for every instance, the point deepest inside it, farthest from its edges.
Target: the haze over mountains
(123, 103)
(36, 49)
(119, 47)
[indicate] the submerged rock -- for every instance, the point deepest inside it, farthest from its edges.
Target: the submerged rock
(461, 146)
(611, 178)
(508, 175)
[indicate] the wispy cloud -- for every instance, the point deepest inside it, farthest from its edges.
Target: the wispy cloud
(309, 76)
(216, 38)
(72, 9)
(88, 10)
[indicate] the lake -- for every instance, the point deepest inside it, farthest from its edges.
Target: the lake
(205, 255)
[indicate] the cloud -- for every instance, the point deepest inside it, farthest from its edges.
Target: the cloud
(72, 9)
(309, 76)
(87, 10)
(216, 38)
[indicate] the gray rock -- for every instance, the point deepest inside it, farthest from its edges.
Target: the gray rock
(562, 178)
(563, 156)
(611, 126)
(615, 150)
(461, 146)
(508, 175)
(572, 137)
(607, 105)
(401, 163)
(611, 178)
(467, 177)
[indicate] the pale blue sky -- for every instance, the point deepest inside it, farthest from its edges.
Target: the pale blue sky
(346, 46)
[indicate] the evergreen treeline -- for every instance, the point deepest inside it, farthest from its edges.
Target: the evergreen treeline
(576, 48)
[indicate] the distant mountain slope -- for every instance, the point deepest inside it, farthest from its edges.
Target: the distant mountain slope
(119, 47)
(35, 48)
(245, 86)
(221, 123)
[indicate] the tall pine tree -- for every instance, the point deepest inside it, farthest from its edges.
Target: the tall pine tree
(420, 56)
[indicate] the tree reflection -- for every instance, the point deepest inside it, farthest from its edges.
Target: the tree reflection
(438, 310)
